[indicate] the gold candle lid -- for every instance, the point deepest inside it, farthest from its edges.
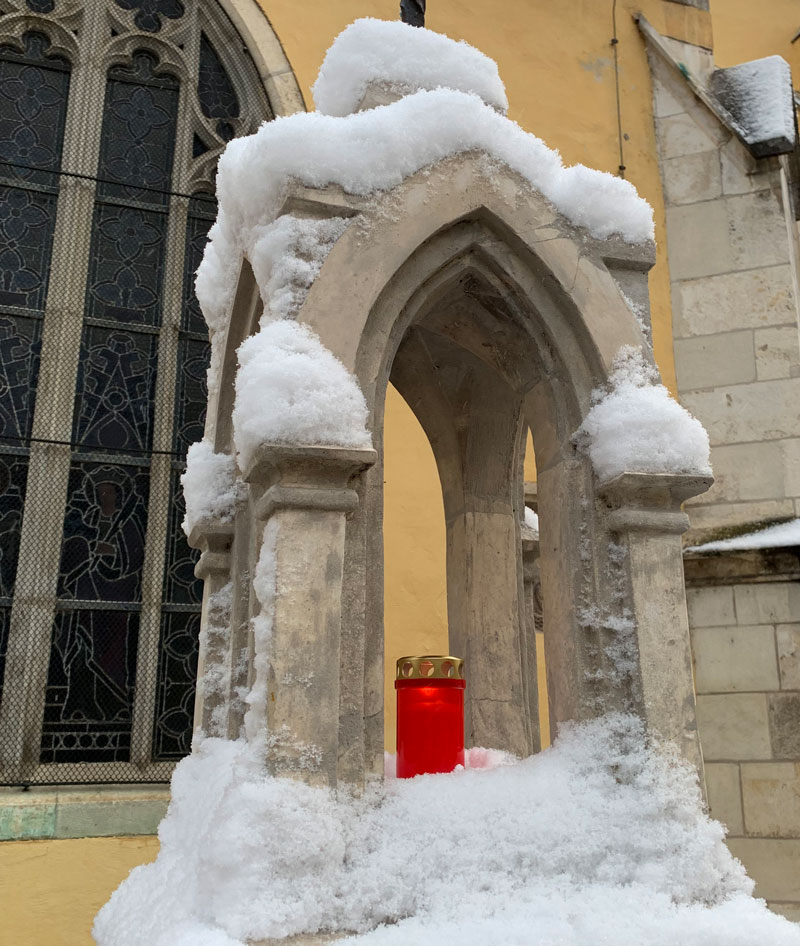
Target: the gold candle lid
(430, 667)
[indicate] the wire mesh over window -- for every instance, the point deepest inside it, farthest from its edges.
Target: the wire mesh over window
(105, 207)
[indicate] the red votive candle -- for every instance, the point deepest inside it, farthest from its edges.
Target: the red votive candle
(430, 715)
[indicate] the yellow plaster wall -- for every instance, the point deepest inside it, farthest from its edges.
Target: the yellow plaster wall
(50, 891)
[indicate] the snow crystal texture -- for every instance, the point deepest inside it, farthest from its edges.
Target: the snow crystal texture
(395, 54)
(599, 839)
(211, 488)
(291, 389)
(759, 95)
(635, 426)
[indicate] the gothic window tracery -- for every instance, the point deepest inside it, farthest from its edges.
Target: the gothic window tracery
(105, 206)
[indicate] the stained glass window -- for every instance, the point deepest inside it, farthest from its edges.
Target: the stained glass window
(123, 225)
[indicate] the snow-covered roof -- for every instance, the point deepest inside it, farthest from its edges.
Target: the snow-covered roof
(759, 97)
(782, 535)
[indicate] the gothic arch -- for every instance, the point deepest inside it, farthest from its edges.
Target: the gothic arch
(491, 313)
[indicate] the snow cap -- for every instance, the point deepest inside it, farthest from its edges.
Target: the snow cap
(402, 57)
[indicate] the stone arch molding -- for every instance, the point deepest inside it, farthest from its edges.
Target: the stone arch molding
(491, 313)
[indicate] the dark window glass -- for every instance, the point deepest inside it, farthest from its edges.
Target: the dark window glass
(116, 385)
(13, 477)
(138, 139)
(104, 529)
(177, 670)
(20, 347)
(90, 685)
(215, 90)
(149, 12)
(180, 584)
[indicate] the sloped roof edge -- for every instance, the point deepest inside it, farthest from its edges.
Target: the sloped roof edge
(726, 98)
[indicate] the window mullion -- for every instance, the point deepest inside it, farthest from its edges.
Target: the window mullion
(158, 518)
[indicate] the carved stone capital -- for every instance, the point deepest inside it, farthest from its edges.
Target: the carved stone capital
(651, 502)
(306, 477)
(213, 537)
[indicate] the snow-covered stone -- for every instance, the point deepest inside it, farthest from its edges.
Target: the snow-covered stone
(635, 426)
(404, 57)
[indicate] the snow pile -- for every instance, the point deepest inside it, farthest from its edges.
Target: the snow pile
(287, 256)
(291, 389)
(760, 98)
(600, 835)
(211, 487)
(531, 520)
(403, 56)
(376, 150)
(778, 536)
(637, 427)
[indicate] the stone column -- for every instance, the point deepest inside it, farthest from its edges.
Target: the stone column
(532, 604)
(215, 660)
(304, 493)
(644, 511)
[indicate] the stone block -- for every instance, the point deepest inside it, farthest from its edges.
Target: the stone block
(731, 659)
(717, 515)
(734, 726)
(96, 819)
(680, 134)
(743, 413)
(753, 299)
(773, 864)
(790, 910)
(697, 240)
(788, 640)
(757, 230)
(771, 799)
(741, 173)
(724, 795)
(710, 607)
(707, 361)
(772, 602)
(692, 178)
(664, 102)
(790, 451)
(777, 352)
(747, 471)
(784, 725)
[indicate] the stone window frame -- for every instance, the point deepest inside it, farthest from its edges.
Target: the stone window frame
(93, 38)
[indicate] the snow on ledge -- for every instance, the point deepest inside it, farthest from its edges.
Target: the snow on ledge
(211, 488)
(782, 535)
(395, 54)
(291, 389)
(637, 427)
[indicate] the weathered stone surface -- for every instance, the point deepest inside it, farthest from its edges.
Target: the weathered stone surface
(680, 135)
(710, 360)
(712, 517)
(724, 795)
(788, 640)
(767, 602)
(731, 659)
(772, 864)
(697, 240)
(790, 451)
(734, 726)
(747, 412)
(710, 607)
(784, 725)
(777, 352)
(722, 303)
(746, 471)
(692, 178)
(771, 799)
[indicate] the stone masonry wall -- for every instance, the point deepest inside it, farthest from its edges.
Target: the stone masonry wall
(746, 648)
(737, 352)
